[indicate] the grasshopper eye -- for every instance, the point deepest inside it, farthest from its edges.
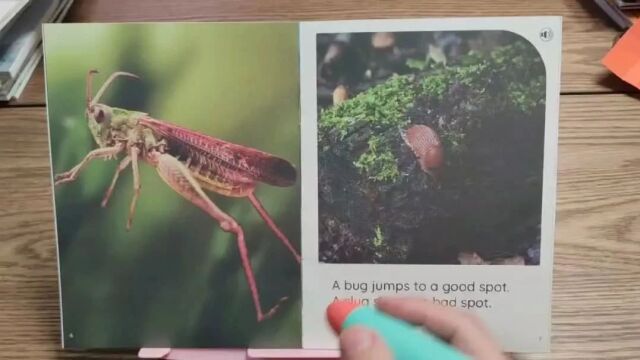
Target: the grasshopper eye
(99, 116)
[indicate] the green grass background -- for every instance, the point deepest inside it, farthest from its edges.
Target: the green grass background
(175, 279)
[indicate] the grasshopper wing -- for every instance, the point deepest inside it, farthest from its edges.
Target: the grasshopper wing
(232, 161)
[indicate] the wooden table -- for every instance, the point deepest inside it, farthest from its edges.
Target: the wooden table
(596, 301)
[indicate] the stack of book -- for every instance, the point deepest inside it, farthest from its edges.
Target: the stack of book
(20, 40)
(622, 12)
(628, 4)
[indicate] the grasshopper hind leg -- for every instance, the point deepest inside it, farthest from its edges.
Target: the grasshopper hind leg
(178, 177)
(272, 225)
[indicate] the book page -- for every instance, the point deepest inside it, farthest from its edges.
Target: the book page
(429, 152)
(175, 152)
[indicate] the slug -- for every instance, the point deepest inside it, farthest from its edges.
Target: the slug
(425, 144)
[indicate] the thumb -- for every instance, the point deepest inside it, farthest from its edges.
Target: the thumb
(359, 343)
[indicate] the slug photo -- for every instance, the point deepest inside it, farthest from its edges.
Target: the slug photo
(430, 148)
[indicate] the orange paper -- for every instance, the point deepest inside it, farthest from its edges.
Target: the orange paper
(624, 58)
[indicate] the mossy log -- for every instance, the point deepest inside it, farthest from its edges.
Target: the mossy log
(377, 205)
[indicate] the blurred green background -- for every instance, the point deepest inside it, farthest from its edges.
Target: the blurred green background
(175, 279)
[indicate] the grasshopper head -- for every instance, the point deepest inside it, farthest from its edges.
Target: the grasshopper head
(98, 115)
(99, 121)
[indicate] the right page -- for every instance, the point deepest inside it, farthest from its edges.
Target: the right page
(429, 152)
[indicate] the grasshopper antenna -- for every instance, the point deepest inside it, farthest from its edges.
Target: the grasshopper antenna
(89, 89)
(106, 84)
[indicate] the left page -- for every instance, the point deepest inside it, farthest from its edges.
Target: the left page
(175, 157)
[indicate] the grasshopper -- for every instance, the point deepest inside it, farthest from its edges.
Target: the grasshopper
(189, 162)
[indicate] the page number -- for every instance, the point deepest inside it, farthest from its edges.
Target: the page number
(546, 34)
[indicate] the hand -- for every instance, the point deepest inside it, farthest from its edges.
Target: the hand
(462, 330)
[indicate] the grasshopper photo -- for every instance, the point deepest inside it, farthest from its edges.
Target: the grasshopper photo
(189, 162)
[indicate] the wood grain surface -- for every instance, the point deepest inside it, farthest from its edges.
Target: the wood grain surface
(596, 300)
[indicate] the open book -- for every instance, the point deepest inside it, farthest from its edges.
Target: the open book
(219, 184)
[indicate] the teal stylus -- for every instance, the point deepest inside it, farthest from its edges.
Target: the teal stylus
(406, 341)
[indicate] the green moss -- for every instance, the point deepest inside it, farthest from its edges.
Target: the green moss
(507, 78)
(378, 239)
(416, 64)
(437, 84)
(527, 96)
(380, 107)
(521, 65)
(378, 162)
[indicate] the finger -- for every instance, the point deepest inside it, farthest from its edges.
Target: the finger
(359, 343)
(463, 330)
